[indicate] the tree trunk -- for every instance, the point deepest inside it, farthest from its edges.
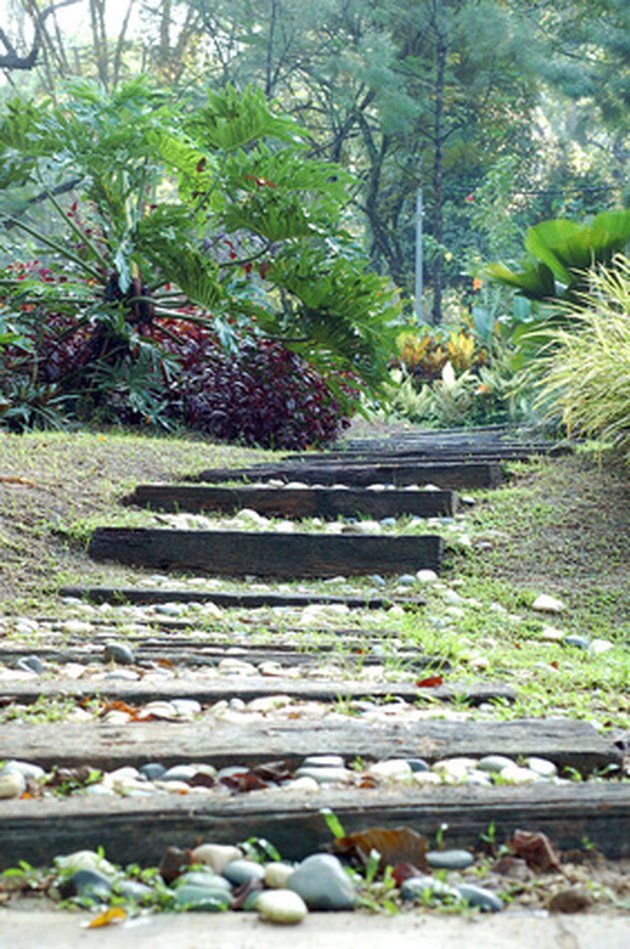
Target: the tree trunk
(436, 311)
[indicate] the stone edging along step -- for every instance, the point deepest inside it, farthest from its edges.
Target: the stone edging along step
(234, 553)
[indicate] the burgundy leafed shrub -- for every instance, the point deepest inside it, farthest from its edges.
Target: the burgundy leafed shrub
(261, 395)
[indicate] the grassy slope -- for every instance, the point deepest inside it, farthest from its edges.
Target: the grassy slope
(560, 527)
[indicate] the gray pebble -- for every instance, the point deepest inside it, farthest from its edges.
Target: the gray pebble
(479, 897)
(206, 878)
(119, 652)
(91, 884)
(201, 898)
(450, 859)
(179, 772)
(418, 764)
(423, 887)
(377, 580)
(134, 890)
(580, 642)
(242, 871)
(407, 579)
(30, 664)
(388, 521)
(495, 763)
(153, 771)
(323, 884)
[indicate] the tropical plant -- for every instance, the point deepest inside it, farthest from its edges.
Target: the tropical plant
(557, 273)
(561, 254)
(584, 377)
(206, 213)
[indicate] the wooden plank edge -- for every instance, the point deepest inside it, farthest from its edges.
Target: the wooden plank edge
(254, 687)
(223, 742)
(134, 831)
(247, 599)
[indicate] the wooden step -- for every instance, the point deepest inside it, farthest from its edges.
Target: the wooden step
(416, 453)
(240, 598)
(448, 476)
(210, 690)
(138, 831)
(237, 553)
(202, 654)
(568, 743)
(295, 502)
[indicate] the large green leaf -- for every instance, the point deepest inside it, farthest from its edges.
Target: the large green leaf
(536, 282)
(231, 119)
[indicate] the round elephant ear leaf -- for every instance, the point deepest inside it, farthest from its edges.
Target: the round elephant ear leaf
(397, 846)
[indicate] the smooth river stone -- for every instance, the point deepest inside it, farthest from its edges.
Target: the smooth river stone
(480, 898)
(277, 874)
(205, 877)
(12, 784)
(201, 898)
(91, 884)
(423, 887)
(25, 768)
(243, 871)
(119, 652)
(323, 884)
(542, 766)
(449, 859)
(216, 856)
(394, 769)
(281, 906)
(495, 763)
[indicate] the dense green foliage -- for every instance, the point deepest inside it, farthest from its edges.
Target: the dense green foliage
(585, 374)
(204, 212)
(505, 112)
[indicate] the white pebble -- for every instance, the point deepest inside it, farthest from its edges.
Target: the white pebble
(281, 906)
(548, 604)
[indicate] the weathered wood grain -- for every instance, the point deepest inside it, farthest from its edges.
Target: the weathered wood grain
(237, 553)
(295, 502)
(225, 598)
(200, 654)
(133, 831)
(568, 743)
(447, 476)
(246, 687)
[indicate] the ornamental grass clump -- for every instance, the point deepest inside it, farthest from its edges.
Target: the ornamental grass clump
(585, 375)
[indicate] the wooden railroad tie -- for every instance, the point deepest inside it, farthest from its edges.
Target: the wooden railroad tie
(238, 553)
(295, 502)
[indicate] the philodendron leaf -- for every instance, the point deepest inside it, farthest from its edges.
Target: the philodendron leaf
(552, 241)
(536, 282)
